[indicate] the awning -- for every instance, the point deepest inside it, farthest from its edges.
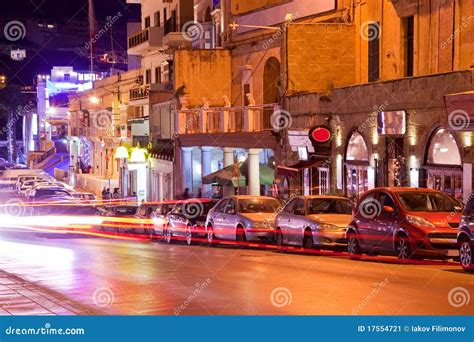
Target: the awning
(293, 170)
(460, 110)
(229, 176)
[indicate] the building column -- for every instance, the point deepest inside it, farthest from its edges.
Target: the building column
(254, 172)
(228, 160)
(161, 189)
(206, 169)
(187, 168)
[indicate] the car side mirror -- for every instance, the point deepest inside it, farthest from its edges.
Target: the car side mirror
(388, 209)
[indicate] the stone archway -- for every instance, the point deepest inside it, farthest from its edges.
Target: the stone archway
(271, 87)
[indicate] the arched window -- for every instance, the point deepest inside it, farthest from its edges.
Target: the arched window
(443, 149)
(357, 148)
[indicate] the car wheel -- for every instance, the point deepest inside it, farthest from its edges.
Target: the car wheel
(308, 242)
(465, 255)
(210, 235)
(402, 247)
(189, 235)
(240, 235)
(168, 236)
(279, 240)
(353, 247)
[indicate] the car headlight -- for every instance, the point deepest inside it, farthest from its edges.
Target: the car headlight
(327, 226)
(420, 222)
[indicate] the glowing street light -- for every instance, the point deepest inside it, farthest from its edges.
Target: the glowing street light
(138, 156)
(94, 100)
(121, 153)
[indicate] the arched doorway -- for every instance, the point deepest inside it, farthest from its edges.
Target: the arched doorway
(357, 166)
(444, 163)
(271, 86)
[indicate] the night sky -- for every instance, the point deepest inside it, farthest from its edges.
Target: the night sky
(61, 9)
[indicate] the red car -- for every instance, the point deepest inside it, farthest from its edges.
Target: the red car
(407, 222)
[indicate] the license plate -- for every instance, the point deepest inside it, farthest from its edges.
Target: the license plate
(453, 252)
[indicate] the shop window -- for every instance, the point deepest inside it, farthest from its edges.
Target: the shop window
(443, 149)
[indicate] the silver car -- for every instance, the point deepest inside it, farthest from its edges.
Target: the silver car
(313, 222)
(242, 218)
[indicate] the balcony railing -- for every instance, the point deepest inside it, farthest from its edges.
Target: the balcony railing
(140, 93)
(226, 119)
(138, 38)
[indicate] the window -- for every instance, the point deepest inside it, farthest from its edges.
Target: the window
(164, 14)
(230, 207)
(289, 208)
(158, 75)
(374, 52)
(299, 207)
(148, 76)
(157, 19)
(147, 22)
(221, 206)
(246, 91)
(253, 206)
(386, 201)
(409, 28)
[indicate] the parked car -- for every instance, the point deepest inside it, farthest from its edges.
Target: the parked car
(242, 218)
(159, 219)
(120, 219)
(143, 217)
(187, 220)
(44, 194)
(23, 178)
(313, 221)
(465, 236)
(407, 222)
(88, 198)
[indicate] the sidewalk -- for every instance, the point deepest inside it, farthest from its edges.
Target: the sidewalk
(18, 297)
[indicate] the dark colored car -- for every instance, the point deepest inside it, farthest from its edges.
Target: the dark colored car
(407, 222)
(143, 216)
(466, 236)
(120, 219)
(188, 220)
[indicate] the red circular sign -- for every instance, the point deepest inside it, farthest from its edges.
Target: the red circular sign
(321, 135)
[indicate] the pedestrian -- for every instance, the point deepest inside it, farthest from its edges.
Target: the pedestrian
(186, 193)
(199, 194)
(116, 194)
(104, 193)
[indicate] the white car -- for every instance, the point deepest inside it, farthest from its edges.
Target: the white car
(24, 178)
(42, 185)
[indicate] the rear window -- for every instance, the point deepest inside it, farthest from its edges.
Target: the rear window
(125, 210)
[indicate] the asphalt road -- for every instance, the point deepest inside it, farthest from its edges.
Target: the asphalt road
(143, 278)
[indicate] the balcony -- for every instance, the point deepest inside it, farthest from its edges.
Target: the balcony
(174, 36)
(146, 40)
(140, 93)
(225, 119)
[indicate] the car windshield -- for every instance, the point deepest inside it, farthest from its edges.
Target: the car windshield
(329, 206)
(195, 209)
(257, 205)
(428, 201)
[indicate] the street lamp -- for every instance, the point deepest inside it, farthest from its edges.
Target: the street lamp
(138, 156)
(94, 100)
(121, 153)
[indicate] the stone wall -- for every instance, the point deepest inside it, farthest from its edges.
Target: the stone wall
(319, 57)
(204, 74)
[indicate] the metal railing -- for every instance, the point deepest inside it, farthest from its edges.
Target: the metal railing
(140, 93)
(138, 38)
